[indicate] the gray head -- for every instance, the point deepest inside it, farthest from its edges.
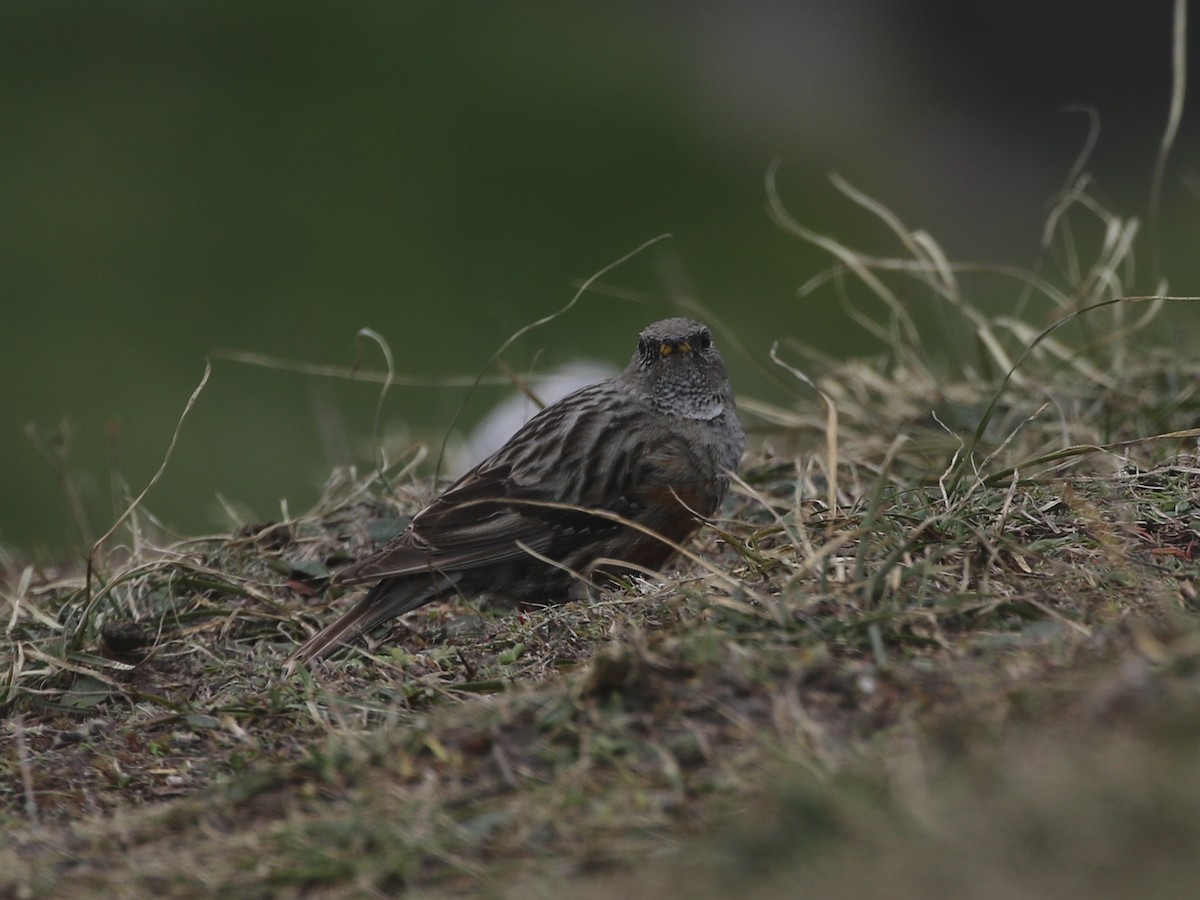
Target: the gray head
(679, 371)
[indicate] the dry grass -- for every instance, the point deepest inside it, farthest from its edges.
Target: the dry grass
(946, 642)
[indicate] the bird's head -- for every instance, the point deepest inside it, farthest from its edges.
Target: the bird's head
(679, 370)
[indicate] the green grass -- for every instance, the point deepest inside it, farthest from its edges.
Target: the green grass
(944, 640)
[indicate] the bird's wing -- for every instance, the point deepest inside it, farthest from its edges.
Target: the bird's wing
(485, 518)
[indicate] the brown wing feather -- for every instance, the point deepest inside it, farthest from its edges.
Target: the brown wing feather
(477, 522)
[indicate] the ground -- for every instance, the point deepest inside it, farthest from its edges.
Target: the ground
(944, 639)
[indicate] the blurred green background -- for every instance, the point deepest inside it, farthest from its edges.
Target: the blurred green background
(178, 178)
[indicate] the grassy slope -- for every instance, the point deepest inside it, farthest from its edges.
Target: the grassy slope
(942, 675)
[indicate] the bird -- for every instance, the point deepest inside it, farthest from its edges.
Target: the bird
(609, 480)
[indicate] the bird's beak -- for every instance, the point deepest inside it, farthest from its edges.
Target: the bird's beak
(666, 348)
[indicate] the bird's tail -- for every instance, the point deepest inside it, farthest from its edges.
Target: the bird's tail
(388, 599)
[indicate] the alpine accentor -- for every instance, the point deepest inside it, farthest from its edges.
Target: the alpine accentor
(653, 445)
